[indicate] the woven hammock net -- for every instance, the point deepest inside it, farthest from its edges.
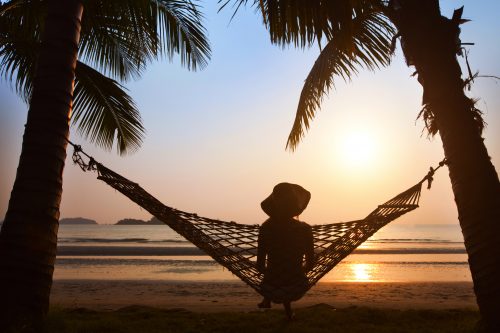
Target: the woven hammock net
(234, 245)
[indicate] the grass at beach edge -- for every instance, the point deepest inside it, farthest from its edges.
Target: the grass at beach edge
(317, 318)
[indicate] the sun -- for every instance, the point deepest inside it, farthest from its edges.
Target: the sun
(358, 148)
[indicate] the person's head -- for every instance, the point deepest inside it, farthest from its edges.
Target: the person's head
(286, 201)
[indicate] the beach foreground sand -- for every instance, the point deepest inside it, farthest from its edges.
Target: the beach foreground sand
(236, 296)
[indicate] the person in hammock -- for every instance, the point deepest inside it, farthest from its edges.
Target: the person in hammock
(283, 244)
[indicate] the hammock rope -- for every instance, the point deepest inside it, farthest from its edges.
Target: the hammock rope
(234, 245)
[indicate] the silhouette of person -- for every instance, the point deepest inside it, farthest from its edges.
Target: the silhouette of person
(283, 244)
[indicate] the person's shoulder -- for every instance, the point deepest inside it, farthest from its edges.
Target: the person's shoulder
(304, 225)
(266, 223)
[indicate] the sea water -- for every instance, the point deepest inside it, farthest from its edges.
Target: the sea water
(397, 253)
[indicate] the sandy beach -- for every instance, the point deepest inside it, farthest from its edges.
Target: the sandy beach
(236, 296)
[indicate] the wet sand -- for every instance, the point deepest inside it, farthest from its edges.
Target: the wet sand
(236, 296)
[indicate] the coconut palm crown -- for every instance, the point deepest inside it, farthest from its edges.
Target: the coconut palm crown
(117, 41)
(357, 34)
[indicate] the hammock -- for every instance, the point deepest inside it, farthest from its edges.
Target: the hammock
(234, 245)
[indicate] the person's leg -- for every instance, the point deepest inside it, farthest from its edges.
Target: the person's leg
(288, 310)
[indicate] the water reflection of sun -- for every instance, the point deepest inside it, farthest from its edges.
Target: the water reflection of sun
(362, 272)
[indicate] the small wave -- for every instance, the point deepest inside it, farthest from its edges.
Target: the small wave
(179, 241)
(412, 240)
(135, 262)
(118, 240)
(407, 263)
(86, 250)
(209, 264)
(431, 263)
(436, 250)
(131, 250)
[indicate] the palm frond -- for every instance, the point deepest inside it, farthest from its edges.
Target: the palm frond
(8, 6)
(17, 62)
(117, 37)
(20, 25)
(103, 111)
(366, 45)
(290, 22)
(120, 37)
(181, 31)
(23, 19)
(302, 23)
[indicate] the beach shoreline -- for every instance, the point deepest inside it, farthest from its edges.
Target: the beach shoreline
(189, 250)
(108, 295)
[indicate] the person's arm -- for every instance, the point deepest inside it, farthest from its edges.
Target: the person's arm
(261, 252)
(309, 253)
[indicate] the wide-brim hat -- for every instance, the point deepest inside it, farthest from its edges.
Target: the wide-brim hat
(286, 200)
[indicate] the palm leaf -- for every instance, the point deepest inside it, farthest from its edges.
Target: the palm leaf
(103, 110)
(17, 61)
(303, 23)
(182, 32)
(357, 32)
(367, 44)
(119, 37)
(101, 106)
(20, 23)
(116, 37)
(8, 6)
(293, 22)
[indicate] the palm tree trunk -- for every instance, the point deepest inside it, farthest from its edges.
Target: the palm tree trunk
(28, 239)
(430, 43)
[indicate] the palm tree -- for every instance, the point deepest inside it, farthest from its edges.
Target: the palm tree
(41, 43)
(363, 33)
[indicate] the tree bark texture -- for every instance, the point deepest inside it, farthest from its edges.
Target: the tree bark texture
(431, 43)
(28, 239)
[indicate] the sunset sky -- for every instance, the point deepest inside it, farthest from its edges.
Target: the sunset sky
(215, 141)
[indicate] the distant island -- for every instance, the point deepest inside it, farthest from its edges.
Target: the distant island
(76, 220)
(127, 221)
(152, 221)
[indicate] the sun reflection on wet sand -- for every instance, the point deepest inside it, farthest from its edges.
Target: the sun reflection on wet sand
(364, 268)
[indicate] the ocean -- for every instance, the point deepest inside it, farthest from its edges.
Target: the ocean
(397, 253)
